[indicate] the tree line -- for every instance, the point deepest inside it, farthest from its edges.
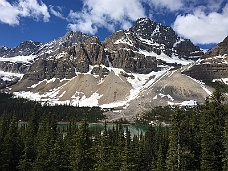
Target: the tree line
(195, 140)
(22, 109)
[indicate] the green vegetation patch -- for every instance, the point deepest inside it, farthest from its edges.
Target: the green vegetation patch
(217, 84)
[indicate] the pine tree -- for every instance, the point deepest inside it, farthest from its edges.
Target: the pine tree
(59, 158)
(12, 147)
(30, 151)
(80, 158)
(103, 151)
(225, 142)
(4, 127)
(212, 131)
(150, 149)
(173, 158)
(127, 162)
(161, 147)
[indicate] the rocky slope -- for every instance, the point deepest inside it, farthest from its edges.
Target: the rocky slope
(213, 65)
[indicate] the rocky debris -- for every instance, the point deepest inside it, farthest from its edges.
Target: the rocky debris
(173, 88)
(101, 71)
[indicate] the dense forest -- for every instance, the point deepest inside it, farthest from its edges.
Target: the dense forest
(196, 139)
(22, 109)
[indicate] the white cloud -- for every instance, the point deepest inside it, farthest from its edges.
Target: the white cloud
(55, 12)
(8, 13)
(106, 13)
(203, 28)
(11, 13)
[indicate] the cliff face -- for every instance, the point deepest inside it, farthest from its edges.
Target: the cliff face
(78, 68)
(213, 65)
(134, 50)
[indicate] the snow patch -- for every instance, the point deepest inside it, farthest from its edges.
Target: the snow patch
(9, 76)
(223, 80)
(19, 59)
(164, 57)
(184, 103)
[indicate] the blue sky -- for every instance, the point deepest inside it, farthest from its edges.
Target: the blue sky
(205, 22)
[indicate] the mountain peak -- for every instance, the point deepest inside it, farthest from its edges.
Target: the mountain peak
(220, 49)
(144, 21)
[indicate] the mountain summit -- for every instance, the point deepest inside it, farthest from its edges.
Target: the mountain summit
(79, 69)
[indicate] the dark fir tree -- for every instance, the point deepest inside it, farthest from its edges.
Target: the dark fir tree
(225, 158)
(45, 142)
(12, 148)
(212, 132)
(103, 149)
(30, 151)
(149, 145)
(173, 161)
(80, 158)
(4, 127)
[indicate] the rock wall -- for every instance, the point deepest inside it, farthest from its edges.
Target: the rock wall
(208, 71)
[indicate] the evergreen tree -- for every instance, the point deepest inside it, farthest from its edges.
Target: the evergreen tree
(173, 158)
(149, 145)
(45, 142)
(225, 142)
(212, 131)
(127, 157)
(80, 158)
(12, 148)
(103, 151)
(59, 158)
(160, 147)
(30, 151)
(4, 127)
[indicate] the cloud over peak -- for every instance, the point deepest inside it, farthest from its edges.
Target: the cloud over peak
(203, 28)
(107, 14)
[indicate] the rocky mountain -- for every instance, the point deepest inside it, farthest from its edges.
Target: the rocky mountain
(131, 70)
(147, 35)
(212, 65)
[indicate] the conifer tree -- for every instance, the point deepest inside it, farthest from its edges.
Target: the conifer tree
(45, 143)
(127, 163)
(150, 142)
(30, 151)
(4, 127)
(103, 151)
(212, 132)
(225, 142)
(161, 147)
(12, 147)
(173, 156)
(80, 159)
